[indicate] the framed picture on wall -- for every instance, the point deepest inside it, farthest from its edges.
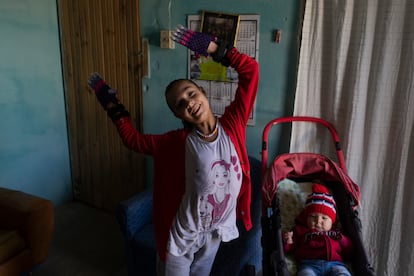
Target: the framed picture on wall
(222, 25)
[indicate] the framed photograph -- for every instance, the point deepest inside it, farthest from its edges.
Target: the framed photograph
(222, 25)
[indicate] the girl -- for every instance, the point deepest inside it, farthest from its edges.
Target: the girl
(184, 157)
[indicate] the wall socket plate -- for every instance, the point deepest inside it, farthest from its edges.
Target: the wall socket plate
(166, 41)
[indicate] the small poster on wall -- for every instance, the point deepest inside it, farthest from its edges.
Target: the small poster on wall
(224, 26)
(220, 82)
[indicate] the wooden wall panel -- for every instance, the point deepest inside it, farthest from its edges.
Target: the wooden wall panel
(102, 36)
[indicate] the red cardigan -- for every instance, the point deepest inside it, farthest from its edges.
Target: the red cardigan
(168, 152)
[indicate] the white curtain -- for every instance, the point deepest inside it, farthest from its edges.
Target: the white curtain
(356, 71)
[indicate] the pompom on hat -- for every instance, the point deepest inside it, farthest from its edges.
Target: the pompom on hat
(320, 201)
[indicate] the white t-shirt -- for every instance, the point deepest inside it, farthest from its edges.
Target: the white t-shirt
(213, 181)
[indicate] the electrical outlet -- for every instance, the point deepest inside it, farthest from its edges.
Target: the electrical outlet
(166, 41)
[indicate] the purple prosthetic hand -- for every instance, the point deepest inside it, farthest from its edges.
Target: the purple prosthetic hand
(195, 41)
(103, 92)
(107, 95)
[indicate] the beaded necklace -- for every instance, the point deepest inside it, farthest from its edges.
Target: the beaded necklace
(208, 136)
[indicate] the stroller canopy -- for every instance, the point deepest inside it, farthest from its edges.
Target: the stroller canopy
(306, 166)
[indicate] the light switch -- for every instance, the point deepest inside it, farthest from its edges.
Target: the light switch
(166, 41)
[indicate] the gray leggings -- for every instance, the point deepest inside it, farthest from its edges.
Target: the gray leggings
(197, 262)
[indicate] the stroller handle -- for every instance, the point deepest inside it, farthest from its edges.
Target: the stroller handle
(290, 119)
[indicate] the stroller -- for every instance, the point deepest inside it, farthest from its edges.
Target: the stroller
(282, 182)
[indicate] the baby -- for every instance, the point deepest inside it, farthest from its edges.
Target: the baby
(318, 249)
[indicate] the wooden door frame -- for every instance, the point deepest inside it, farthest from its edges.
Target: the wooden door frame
(101, 36)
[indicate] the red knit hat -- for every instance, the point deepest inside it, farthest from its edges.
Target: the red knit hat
(320, 201)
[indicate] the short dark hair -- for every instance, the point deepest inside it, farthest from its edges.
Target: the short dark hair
(172, 84)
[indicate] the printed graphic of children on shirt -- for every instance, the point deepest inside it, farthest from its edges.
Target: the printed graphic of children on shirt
(216, 202)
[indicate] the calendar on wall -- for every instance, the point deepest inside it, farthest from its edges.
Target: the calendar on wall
(220, 82)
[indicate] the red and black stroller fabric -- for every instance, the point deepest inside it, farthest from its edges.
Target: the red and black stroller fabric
(303, 168)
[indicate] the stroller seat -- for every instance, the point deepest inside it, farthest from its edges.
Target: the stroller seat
(292, 197)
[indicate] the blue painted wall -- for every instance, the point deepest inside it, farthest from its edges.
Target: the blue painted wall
(34, 155)
(278, 62)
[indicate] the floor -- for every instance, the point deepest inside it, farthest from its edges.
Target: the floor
(87, 241)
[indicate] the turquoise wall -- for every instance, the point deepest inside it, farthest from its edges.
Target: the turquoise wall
(278, 62)
(34, 155)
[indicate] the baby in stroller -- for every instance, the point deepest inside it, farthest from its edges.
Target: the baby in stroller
(316, 241)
